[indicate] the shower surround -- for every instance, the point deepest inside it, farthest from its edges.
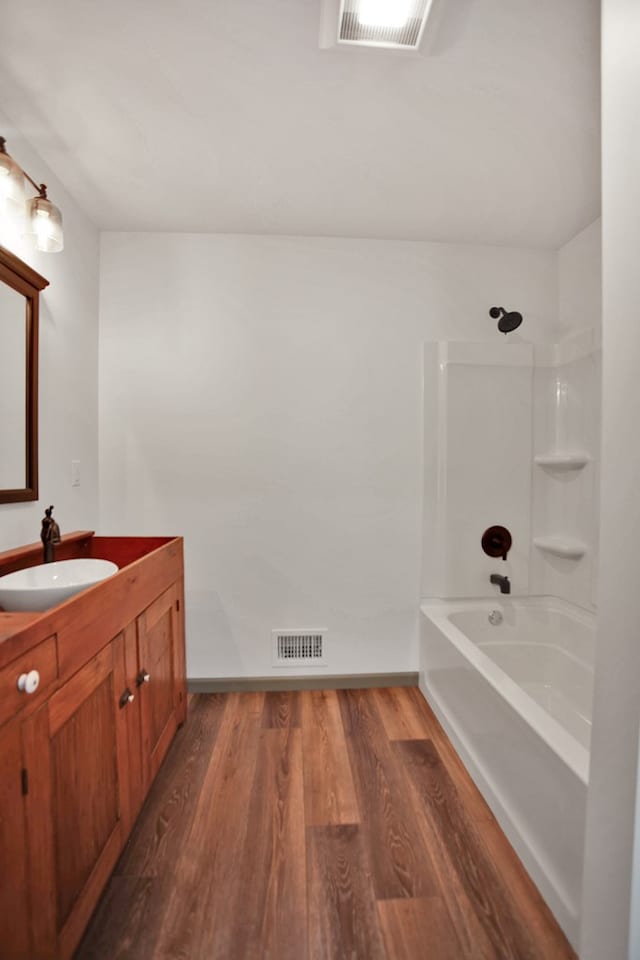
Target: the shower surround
(511, 438)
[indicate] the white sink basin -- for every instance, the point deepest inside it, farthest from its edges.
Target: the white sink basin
(38, 588)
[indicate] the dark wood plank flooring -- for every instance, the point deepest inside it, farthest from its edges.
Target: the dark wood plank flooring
(319, 825)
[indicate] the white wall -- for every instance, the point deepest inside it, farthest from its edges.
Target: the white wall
(262, 396)
(614, 755)
(68, 406)
(580, 281)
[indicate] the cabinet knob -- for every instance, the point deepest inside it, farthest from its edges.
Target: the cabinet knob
(143, 677)
(127, 697)
(29, 682)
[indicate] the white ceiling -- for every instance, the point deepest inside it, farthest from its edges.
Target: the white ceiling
(225, 116)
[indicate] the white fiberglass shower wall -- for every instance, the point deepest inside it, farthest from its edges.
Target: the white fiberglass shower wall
(512, 438)
(477, 466)
(566, 472)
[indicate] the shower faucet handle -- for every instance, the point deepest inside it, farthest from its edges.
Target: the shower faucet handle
(496, 542)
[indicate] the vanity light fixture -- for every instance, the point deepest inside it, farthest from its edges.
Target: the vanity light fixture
(385, 24)
(42, 220)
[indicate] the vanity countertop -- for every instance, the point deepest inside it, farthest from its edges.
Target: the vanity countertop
(12, 623)
(92, 617)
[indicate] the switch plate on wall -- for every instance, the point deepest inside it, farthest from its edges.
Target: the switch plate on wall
(75, 473)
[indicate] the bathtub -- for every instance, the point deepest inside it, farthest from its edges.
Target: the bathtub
(515, 699)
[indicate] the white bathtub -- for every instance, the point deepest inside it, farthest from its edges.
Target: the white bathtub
(515, 699)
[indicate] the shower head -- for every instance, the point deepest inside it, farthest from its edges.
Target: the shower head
(508, 321)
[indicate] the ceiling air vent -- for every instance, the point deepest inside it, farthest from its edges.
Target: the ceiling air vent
(390, 24)
(297, 648)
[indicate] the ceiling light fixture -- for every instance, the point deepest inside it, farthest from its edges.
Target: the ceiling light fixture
(42, 220)
(396, 25)
(384, 13)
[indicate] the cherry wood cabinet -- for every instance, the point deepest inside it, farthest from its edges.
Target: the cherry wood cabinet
(160, 706)
(15, 907)
(75, 758)
(135, 771)
(78, 756)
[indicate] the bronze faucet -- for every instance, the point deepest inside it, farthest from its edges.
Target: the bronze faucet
(50, 534)
(503, 582)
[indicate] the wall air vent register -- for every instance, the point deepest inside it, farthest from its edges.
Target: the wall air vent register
(296, 648)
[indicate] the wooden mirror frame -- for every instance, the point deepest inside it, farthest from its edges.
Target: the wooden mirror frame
(25, 280)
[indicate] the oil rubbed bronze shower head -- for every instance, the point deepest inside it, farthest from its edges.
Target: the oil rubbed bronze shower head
(508, 321)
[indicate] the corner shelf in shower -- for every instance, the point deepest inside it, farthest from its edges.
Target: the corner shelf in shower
(566, 547)
(563, 461)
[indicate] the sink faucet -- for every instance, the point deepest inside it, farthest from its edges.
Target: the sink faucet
(503, 582)
(50, 534)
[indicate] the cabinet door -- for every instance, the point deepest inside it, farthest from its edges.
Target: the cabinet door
(135, 773)
(14, 901)
(79, 760)
(158, 653)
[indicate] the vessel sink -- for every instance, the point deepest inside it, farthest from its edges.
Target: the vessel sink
(44, 586)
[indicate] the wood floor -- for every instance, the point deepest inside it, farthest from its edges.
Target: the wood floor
(328, 825)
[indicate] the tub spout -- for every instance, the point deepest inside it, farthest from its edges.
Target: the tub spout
(503, 582)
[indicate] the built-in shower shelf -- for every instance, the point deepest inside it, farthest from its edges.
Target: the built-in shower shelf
(563, 461)
(561, 546)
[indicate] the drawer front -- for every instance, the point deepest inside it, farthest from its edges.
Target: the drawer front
(44, 660)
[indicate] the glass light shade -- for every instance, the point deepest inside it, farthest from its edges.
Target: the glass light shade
(45, 225)
(384, 13)
(12, 199)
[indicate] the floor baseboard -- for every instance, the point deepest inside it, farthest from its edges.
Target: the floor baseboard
(354, 681)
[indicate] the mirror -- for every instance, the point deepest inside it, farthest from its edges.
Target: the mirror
(20, 287)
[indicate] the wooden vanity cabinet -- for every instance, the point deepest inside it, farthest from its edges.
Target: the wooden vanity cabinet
(75, 755)
(76, 762)
(15, 919)
(135, 771)
(153, 650)
(19, 912)
(159, 661)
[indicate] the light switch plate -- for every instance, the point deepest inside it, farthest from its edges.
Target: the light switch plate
(75, 473)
